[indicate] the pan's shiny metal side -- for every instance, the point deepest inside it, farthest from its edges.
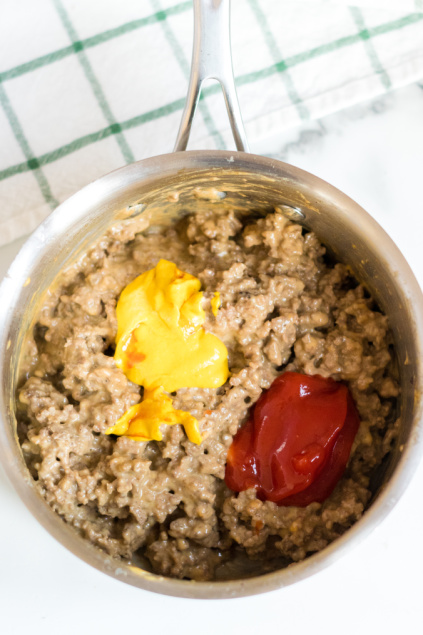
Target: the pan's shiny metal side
(249, 182)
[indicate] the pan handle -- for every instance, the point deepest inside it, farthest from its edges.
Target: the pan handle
(212, 59)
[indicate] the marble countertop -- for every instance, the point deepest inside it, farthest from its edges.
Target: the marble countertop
(374, 153)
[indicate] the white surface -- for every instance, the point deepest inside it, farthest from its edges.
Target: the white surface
(374, 152)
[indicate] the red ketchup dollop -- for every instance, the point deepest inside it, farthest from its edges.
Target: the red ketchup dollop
(294, 447)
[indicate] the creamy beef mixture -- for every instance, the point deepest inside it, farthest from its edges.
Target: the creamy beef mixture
(285, 306)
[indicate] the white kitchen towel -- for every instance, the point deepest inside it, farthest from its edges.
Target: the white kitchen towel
(89, 85)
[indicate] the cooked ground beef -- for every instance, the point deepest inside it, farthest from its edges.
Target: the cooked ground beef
(285, 306)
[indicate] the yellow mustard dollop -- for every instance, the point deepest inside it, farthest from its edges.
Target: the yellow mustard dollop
(161, 344)
(142, 422)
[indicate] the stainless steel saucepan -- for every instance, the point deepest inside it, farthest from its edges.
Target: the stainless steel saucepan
(252, 182)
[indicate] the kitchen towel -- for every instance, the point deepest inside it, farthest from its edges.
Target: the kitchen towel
(87, 86)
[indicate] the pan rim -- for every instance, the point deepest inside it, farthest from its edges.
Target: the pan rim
(22, 482)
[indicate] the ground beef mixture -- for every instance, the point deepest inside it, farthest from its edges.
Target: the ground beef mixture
(285, 306)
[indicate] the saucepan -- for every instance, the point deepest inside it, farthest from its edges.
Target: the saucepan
(163, 187)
